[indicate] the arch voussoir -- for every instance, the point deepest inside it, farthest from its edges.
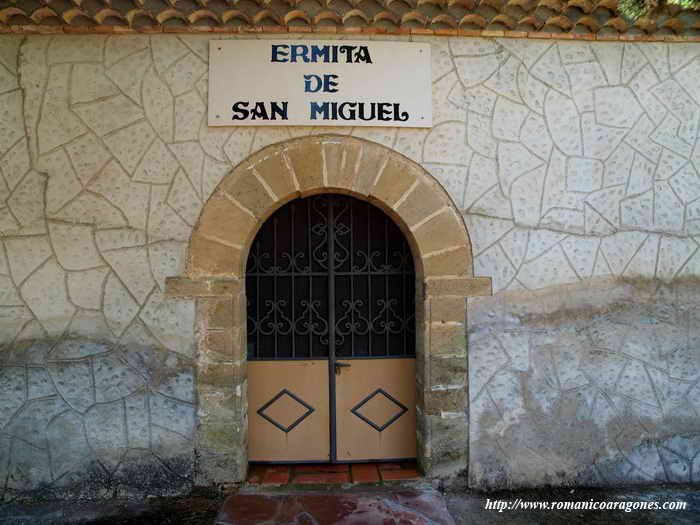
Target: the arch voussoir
(211, 259)
(341, 159)
(306, 161)
(273, 170)
(371, 164)
(245, 188)
(439, 231)
(398, 177)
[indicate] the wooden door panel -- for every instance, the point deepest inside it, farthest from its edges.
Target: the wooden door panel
(288, 411)
(376, 409)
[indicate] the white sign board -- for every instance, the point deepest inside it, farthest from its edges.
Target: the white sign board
(319, 83)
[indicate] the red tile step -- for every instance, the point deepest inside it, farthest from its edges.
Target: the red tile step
(331, 474)
(400, 475)
(365, 473)
(322, 478)
(398, 471)
(278, 475)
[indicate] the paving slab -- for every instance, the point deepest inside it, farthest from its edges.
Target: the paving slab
(379, 506)
(466, 507)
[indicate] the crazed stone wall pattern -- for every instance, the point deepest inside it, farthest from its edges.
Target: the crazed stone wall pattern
(593, 384)
(571, 161)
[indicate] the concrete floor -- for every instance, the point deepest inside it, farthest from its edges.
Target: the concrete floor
(466, 507)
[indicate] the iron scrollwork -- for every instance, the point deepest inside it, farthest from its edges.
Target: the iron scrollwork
(290, 278)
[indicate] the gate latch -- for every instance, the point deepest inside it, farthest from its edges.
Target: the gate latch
(339, 365)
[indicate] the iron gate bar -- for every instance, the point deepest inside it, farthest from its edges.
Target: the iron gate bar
(275, 321)
(331, 329)
(290, 320)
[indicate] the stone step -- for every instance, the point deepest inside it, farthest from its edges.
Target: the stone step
(377, 506)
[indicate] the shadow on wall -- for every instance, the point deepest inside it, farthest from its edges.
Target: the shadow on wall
(81, 418)
(589, 385)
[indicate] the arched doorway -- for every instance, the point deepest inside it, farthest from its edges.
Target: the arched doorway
(215, 277)
(330, 287)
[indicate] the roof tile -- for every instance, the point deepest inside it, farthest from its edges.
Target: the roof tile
(534, 18)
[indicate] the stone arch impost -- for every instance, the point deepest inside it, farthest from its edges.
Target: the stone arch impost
(215, 273)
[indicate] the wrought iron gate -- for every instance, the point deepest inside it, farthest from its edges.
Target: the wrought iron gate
(329, 277)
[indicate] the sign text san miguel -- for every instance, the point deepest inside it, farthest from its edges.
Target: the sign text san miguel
(319, 83)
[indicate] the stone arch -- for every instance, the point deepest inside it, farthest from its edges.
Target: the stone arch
(329, 163)
(215, 276)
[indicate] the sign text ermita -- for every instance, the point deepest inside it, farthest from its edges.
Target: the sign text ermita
(327, 83)
(258, 83)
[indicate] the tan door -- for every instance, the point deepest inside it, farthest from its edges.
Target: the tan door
(288, 411)
(376, 409)
(330, 284)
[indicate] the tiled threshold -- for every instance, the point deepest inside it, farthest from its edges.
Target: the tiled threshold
(322, 474)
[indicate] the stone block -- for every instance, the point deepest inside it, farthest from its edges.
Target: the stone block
(448, 308)
(228, 287)
(244, 187)
(222, 420)
(341, 161)
(220, 376)
(220, 313)
(447, 339)
(240, 306)
(423, 201)
(222, 345)
(421, 354)
(213, 469)
(334, 157)
(307, 163)
(447, 371)
(465, 287)
(396, 179)
(371, 162)
(225, 222)
(210, 258)
(441, 232)
(435, 402)
(449, 438)
(273, 169)
(455, 263)
(184, 287)
(423, 441)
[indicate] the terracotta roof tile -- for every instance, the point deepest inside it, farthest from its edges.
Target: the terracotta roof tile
(556, 18)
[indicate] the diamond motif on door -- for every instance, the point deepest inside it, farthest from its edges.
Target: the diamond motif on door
(379, 407)
(285, 410)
